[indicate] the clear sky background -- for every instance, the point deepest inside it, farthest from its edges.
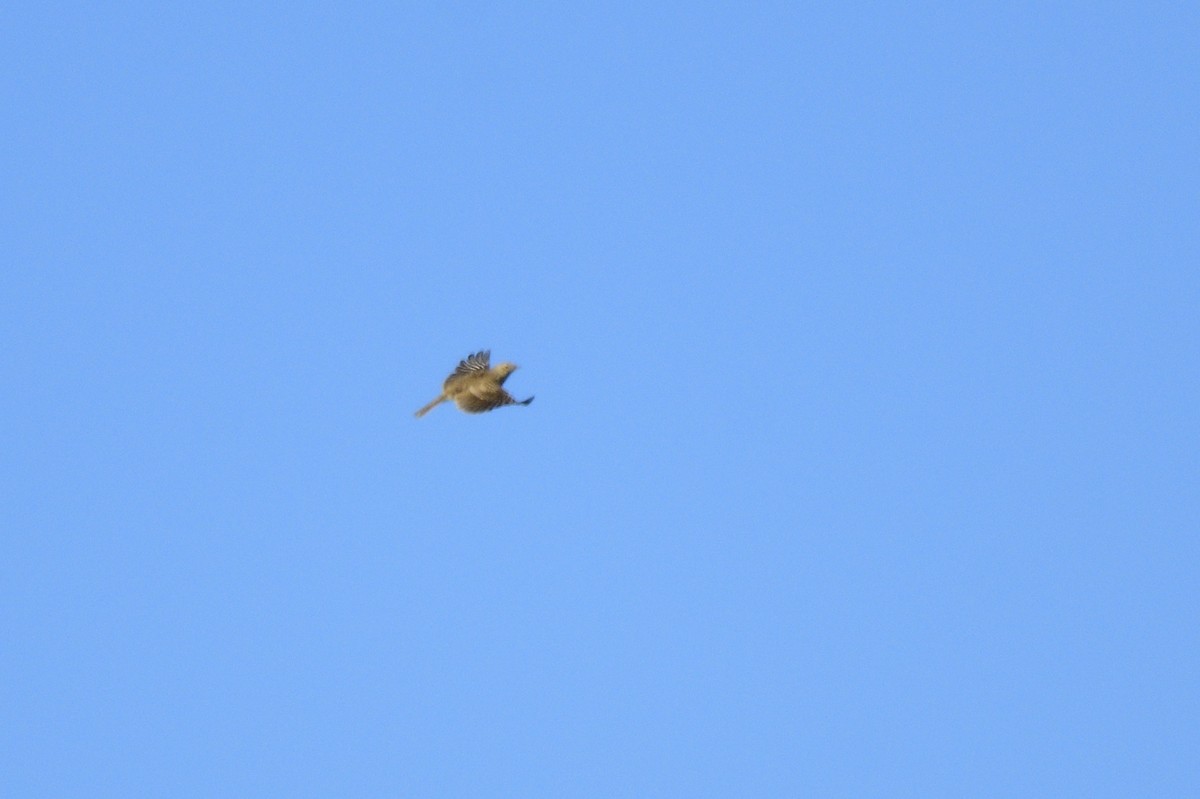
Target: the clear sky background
(864, 456)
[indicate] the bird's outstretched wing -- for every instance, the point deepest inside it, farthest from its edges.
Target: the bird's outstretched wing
(476, 364)
(486, 398)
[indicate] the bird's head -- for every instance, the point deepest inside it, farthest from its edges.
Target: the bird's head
(503, 370)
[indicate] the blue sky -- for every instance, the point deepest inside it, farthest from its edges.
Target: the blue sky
(865, 448)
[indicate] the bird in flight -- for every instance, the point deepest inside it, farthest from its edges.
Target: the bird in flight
(476, 387)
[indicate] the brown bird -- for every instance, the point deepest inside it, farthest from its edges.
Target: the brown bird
(475, 387)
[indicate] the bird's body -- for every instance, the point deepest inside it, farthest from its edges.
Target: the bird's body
(476, 387)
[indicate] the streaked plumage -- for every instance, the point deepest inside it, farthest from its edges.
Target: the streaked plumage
(477, 387)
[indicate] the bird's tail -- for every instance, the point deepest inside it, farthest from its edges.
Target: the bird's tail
(525, 402)
(430, 406)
